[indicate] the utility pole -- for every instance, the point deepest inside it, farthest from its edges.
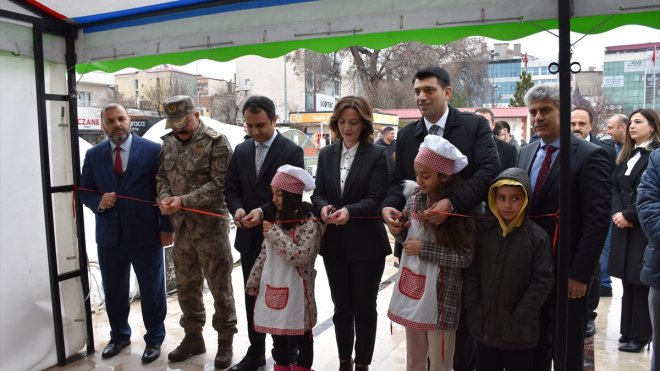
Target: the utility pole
(493, 88)
(286, 101)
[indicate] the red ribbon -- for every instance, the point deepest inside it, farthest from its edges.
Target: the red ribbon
(154, 203)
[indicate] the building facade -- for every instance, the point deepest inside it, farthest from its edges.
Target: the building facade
(631, 77)
(504, 69)
(149, 88)
(276, 78)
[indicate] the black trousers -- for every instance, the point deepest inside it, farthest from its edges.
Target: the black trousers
(577, 317)
(257, 340)
(282, 349)
(493, 359)
(354, 289)
(466, 346)
(635, 317)
(593, 291)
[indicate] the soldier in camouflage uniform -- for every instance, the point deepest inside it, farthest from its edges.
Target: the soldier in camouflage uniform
(193, 162)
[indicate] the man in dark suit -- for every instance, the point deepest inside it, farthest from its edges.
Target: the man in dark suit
(582, 124)
(471, 134)
(248, 196)
(507, 153)
(128, 232)
(590, 190)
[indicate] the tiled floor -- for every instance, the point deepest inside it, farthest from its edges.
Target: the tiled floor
(390, 352)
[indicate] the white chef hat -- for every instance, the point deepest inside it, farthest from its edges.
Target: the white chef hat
(440, 155)
(293, 179)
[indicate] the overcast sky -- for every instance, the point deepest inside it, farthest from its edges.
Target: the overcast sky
(589, 51)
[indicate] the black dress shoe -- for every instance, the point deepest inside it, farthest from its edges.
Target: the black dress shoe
(635, 345)
(114, 347)
(249, 363)
(151, 353)
(591, 329)
(623, 339)
(605, 292)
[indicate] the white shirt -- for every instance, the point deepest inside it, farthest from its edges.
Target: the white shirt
(633, 160)
(442, 122)
(347, 157)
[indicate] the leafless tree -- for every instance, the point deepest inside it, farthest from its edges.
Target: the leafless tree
(320, 71)
(227, 105)
(604, 107)
(386, 75)
(155, 95)
(126, 102)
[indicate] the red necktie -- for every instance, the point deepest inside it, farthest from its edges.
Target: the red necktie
(545, 169)
(118, 168)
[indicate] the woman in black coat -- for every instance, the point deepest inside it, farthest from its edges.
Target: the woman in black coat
(351, 183)
(628, 238)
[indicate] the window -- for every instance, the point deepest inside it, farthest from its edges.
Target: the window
(136, 84)
(84, 99)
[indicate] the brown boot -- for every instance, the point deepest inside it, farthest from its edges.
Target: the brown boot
(191, 345)
(225, 352)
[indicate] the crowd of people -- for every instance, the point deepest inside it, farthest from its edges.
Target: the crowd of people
(474, 216)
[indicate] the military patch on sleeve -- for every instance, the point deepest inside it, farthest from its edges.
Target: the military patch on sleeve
(219, 151)
(199, 150)
(220, 164)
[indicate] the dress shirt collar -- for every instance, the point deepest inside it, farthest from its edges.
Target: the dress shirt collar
(554, 143)
(442, 122)
(351, 151)
(126, 146)
(268, 142)
(643, 144)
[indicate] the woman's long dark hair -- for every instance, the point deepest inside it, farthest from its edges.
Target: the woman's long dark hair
(294, 209)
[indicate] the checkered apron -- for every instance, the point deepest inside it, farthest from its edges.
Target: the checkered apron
(280, 305)
(414, 302)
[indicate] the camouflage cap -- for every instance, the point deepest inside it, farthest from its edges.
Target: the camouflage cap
(177, 110)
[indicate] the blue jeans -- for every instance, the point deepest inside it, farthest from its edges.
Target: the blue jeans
(605, 280)
(654, 310)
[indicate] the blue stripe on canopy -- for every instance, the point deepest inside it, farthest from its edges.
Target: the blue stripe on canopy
(223, 8)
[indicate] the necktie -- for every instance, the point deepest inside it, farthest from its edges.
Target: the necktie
(543, 171)
(434, 129)
(119, 170)
(259, 156)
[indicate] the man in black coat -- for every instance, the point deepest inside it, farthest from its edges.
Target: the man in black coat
(468, 132)
(248, 197)
(590, 190)
(582, 125)
(472, 136)
(507, 153)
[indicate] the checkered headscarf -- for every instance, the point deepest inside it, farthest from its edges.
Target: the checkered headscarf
(292, 179)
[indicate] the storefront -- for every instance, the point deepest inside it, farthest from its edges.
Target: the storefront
(315, 124)
(89, 123)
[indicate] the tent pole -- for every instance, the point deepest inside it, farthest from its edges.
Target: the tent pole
(564, 17)
(75, 164)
